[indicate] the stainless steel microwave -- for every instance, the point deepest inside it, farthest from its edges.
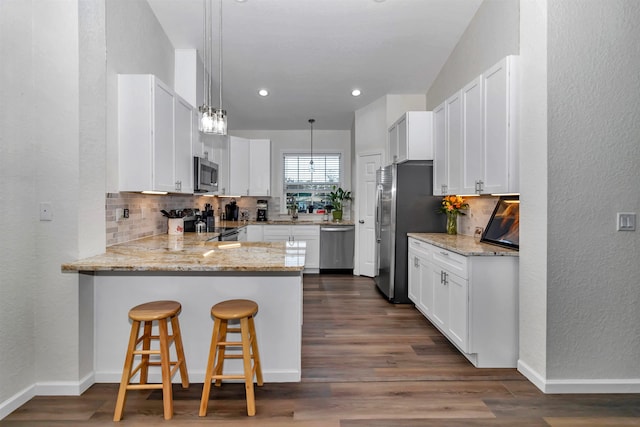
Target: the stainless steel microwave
(205, 176)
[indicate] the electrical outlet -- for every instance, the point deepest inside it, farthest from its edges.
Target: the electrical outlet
(119, 214)
(626, 221)
(125, 214)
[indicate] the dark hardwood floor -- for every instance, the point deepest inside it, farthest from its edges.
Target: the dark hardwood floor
(365, 362)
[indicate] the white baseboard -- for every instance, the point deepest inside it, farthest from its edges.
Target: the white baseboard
(16, 401)
(64, 388)
(48, 388)
(584, 386)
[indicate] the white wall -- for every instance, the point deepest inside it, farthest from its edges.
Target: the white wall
(137, 45)
(371, 127)
(52, 158)
(533, 187)
(593, 171)
(18, 203)
(492, 34)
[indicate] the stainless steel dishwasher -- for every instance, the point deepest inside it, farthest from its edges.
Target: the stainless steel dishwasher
(336, 247)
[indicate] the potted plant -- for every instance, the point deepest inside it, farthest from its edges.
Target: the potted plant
(337, 197)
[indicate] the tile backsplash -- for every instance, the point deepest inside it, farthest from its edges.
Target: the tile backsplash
(478, 214)
(145, 218)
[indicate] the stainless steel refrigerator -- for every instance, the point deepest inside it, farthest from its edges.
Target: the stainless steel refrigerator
(405, 204)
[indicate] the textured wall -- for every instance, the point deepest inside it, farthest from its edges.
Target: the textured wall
(594, 171)
(492, 34)
(533, 187)
(19, 202)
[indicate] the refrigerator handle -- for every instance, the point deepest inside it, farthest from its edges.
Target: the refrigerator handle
(378, 199)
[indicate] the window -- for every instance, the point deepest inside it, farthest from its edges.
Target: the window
(310, 189)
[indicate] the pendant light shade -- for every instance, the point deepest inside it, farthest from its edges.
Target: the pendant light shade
(212, 120)
(311, 166)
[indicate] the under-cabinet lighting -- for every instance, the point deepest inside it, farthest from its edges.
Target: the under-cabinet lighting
(505, 194)
(208, 195)
(208, 253)
(159, 193)
(229, 245)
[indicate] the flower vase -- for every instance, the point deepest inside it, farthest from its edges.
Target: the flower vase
(452, 223)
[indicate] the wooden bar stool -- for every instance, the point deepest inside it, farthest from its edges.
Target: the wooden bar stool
(162, 312)
(243, 310)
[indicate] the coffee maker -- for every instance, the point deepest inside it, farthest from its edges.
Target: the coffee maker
(231, 211)
(262, 210)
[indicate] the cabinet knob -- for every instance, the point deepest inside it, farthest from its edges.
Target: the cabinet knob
(361, 221)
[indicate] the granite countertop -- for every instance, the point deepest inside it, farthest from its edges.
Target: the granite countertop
(463, 245)
(193, 252)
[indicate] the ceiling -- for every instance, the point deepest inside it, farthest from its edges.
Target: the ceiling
(310, 54)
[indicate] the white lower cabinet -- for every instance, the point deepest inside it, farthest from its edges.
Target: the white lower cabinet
(307, 233)
(242, 234)
(472, 300)
(420, 280)
(255, 233)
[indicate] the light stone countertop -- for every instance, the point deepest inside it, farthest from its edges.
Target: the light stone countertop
(193, 252)
(463, 245)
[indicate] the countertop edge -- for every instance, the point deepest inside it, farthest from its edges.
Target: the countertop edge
(463, 245)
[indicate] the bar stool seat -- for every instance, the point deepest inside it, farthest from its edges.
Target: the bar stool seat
(145, 314)
(244, 311)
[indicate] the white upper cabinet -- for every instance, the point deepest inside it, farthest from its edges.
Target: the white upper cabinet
(453, 107)
(410, 137)
(183, 144)
(249, 167)
(260, 167)
(440, 169)
(238, 166)
(472, 147)
(154, 136)
(501, 171)
(475, 137)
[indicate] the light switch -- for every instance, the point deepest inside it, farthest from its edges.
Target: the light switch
(626, 221)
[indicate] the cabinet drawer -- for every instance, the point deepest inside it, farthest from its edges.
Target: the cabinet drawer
(420, 247)
(277, 230)
(305, 230)
(455, 263)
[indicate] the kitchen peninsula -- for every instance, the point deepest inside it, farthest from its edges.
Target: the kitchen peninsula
(198, 273)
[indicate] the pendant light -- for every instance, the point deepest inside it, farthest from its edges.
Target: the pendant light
(212, 120)
(311, 166)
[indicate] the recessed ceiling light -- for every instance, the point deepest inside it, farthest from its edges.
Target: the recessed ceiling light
(263, 92)
(355, 92)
